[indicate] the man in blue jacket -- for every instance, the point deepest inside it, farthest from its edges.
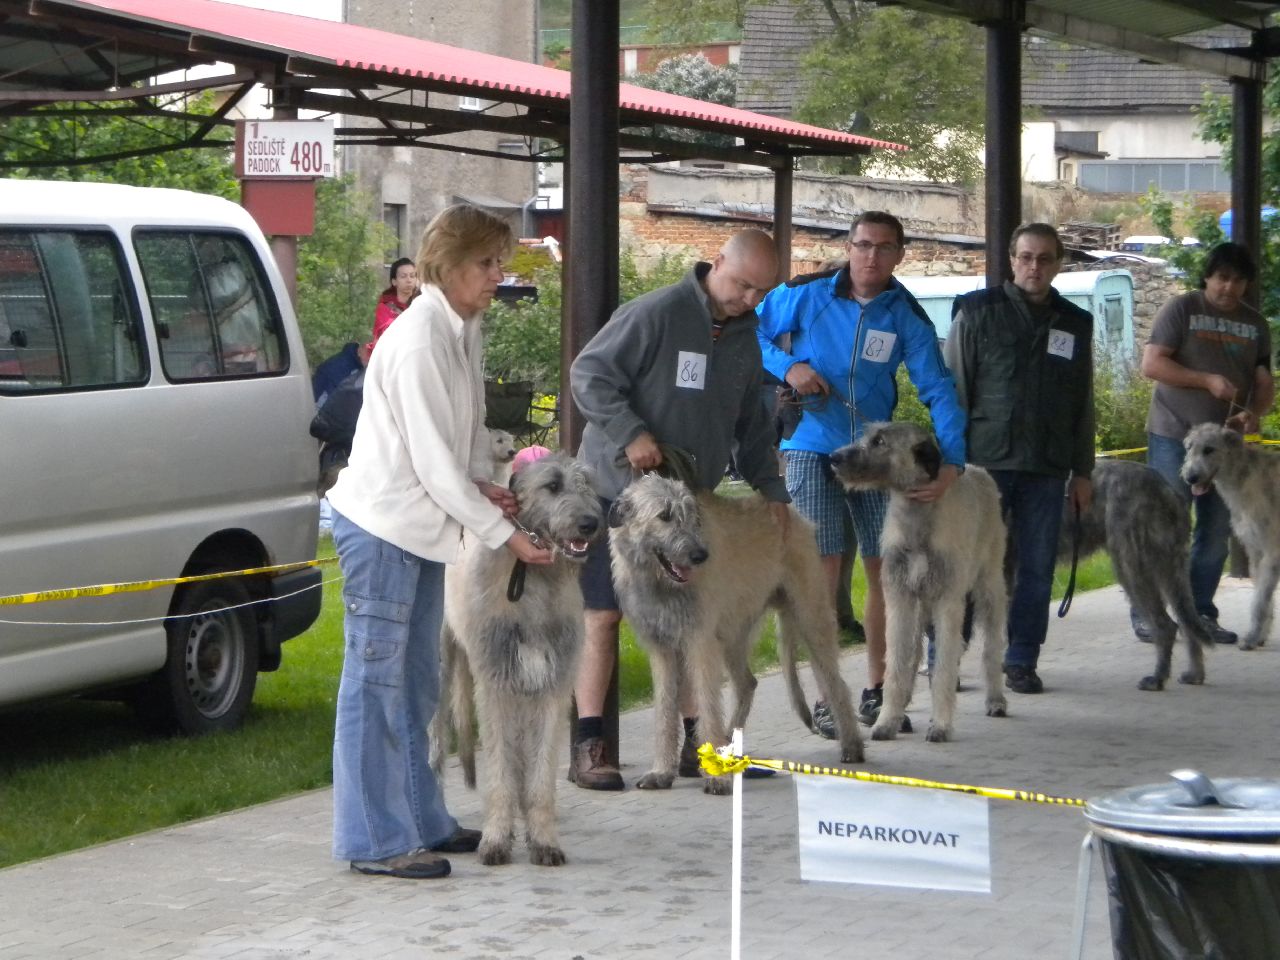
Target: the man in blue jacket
(849, 330)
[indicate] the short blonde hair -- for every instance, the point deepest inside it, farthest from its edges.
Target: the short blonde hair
(457, 234)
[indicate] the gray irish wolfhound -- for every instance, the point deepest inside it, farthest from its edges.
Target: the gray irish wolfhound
(522, 652)
(1248, 479)
(934, 554)
(1143, 524)
(695, 576)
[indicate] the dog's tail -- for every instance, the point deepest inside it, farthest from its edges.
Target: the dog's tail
(1184, 606)
(788, 630)
(455, 716)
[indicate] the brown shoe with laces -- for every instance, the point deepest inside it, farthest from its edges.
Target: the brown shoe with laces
(590, 769)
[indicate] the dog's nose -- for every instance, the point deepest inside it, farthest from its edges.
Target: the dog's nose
(698, 556)
(588, 525)
(838, 457)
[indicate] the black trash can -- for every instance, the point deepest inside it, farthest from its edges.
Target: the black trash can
(1192, 867)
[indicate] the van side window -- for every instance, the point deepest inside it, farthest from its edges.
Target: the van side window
(213, 319)
(1113, 318)
(66, 321)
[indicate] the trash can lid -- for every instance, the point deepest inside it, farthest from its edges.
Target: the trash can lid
(1192, 805)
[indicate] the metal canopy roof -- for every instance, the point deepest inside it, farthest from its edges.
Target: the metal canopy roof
(1147, 28)
(104, 50)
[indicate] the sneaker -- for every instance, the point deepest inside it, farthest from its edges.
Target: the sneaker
(1219, 633)
(869, 710)
(1142, 629)
(462, 840)
(690, 764)
(590, 770)
(1022, 679)
(824, 724)
(414, 865)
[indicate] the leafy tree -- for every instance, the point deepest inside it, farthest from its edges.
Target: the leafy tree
(340, 268)
(693, 75)
(86, 130)
(911, 77)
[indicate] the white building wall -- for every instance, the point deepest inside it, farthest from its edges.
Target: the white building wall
(1144, 136)
(1039, 159)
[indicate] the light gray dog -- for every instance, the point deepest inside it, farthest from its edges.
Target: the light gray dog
(934, 555)
(520, 629)
(1143, 524)
(1248, 479)
(695, 576)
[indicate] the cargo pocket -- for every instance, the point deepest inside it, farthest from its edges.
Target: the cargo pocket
(990, 429)
(377, 633)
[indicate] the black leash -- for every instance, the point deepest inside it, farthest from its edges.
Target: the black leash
(515, 583)
(677, 464)
(1065, 605)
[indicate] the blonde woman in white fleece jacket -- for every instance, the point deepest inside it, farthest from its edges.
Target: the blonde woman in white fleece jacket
(400, 507)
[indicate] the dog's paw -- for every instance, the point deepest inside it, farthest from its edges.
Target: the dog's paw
(1193, 677)
(1250, 642)
(852, 754)
(654, 780)
(1151, 683)
(718, 786)
(885, 731)
(495, 855)
(546, 855)
(937, 734)
(997, 707)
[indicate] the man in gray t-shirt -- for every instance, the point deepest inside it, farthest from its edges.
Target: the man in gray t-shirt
(1210, 355)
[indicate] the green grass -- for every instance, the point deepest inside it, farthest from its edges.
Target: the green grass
(75, 773)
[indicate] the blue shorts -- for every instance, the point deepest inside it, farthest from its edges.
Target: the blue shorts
(821, 500)
(596, 576)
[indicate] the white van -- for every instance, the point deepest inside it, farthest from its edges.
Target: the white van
(154, 406)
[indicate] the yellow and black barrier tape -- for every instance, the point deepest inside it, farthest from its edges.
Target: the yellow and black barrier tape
(718, 764)
(137, 586)
(1255, 438)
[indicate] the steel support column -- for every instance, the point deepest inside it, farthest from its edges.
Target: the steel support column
(1004, 143)
(782, 187)
(1246, 170)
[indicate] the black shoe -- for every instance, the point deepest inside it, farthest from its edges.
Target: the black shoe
(414, 865)
(1022, 679)
(1142, 629)
(824, 724)
(690, 763)
(463, 840)
(869, 706)
(1219, 633)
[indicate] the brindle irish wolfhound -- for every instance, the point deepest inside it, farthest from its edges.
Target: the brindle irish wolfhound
(1143, 524)
(933, 555)
(695, 576)
(521, 633)
(1248, 479)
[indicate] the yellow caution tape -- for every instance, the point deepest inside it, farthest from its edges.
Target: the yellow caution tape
(137, 586)
(718, 764)
(1249, 438)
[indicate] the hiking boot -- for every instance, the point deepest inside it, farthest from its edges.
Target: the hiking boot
(1219, 633)
(590, 770)
(1022, 679)
(414, 865)
(690, 763)
(869, 710)
(823, 724)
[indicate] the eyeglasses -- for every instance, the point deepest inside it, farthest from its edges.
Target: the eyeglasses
(1043, 260)
(866, 248)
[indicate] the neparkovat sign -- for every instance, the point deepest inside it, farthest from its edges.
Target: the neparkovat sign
(289, 149)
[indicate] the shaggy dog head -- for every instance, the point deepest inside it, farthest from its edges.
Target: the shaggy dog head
(1207, 445)
(559, 504)
(655, 523)
(888, 456)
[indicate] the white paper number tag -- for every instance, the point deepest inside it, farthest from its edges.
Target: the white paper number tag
(1062, 344)
(691, 370)
(878, 346)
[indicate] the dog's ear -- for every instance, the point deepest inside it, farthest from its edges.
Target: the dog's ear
(1231, 438)
(618, 512)
(929, 457)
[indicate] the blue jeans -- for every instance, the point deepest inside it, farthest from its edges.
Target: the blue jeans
(386, 800)
(1210, 541)
(1032, 507)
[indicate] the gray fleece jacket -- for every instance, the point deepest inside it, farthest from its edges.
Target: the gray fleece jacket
(654, 366)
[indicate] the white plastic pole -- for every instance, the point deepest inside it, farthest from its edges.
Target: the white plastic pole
(735, 910)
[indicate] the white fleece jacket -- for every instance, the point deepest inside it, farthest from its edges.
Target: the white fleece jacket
(421, 438)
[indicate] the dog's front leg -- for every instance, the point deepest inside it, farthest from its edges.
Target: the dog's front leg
(902, 635)
(667, 665)
(1266, 573)
(545, 716)
(948, 621)
(706, 671)
(500, 728)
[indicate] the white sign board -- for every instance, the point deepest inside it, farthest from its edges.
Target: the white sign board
(285, 148)
(853, 832)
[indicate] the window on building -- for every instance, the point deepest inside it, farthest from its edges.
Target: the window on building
(470, 103)
(1113, 318)
(1078, 139)
(394, 218)
(67, 320)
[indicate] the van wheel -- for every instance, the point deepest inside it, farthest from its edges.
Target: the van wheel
(208, 678)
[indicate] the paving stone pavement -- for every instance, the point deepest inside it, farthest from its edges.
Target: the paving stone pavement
(649, 872)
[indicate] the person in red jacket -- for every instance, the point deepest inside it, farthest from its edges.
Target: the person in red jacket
(393, 300)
